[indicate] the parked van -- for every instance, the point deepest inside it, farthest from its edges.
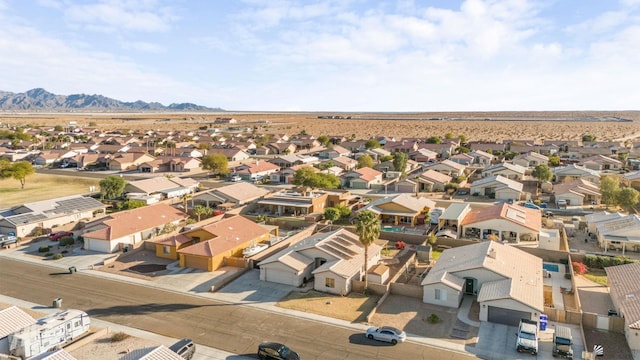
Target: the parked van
(562, 342)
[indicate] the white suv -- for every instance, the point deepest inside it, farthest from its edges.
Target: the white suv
(235, 178)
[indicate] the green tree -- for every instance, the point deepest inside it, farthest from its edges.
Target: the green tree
(215, 163)
(400, 161)
(386, 158)
(609, 187)
(345, 211)
(58, 128)
(623, 156)
(542, 173)
(332, 214)
(434, 140)
(304, 176)
(627, 197)
(368, 230)
(323, 139)
(463, 138)
(200, 210)
(554, 160)
(185, 200)
(372, 144)
(588, 138)
(19, 171)
(365, 161)
(448, 136)
(112, 187)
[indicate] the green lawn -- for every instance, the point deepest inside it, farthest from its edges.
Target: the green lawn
(597, 276)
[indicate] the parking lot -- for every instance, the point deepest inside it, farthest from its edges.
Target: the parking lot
(498, 342)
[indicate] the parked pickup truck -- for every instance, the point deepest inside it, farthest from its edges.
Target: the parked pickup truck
(8, 239)
(527, 340)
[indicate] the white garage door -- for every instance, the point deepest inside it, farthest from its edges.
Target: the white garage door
(97, 245)
(281, 277)
(506, 316)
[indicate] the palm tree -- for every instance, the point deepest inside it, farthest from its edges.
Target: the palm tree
(368, 230)
(185, 199)
(200, 210)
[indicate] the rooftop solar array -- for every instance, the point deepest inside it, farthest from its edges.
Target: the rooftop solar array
(69, 206)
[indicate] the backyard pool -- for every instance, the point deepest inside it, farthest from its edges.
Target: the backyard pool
(550, 267)
(401, 229)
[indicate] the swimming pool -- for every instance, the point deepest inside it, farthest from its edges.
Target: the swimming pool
(550, 267)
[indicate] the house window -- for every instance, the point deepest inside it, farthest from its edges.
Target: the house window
(330, 282)
(166, 250)
(441, 295)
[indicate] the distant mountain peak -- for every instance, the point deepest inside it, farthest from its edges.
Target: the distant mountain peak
(39, 99)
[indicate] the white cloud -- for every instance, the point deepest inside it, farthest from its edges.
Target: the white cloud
(144, 47)
(116, 15)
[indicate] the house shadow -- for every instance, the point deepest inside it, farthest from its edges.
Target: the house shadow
(361, 339)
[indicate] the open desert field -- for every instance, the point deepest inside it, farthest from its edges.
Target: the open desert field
(620, 125)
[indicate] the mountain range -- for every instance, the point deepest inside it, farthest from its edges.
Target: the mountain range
(41, 100)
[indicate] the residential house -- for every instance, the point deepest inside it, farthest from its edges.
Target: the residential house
(344, 163)
(121, 230)
(444, 150)
(432, 181)
(633, 179)
(333, 259)
(489, 147)
(401, 209)
(504, 280)
(170, 164)
(503, 222)
(214, 244)
(149, 353)
(621, 234)
(295, 202)
(256, 170)
(530, 160)
(447, 167)
(237, 194)
(595, 218)
(577, 193)
(602, 163)
(449, 222)
(287, 175)
(507, 170)
(405, 146)
(423, 155)
(225, 121)
(498, 187)
(481, 158)
(624, 289)
(232, 153)
(334, 152)
(363, 178)
(463, 159)
(574, 172)
(27, 219)
(128, 161)
(354, 146)
(161, 187)
(287, 161)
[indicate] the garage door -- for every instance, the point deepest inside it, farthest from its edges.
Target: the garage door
(506, 316)
(281, 277)
(195, 262)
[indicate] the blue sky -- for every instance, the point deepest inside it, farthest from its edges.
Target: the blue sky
(330, 55)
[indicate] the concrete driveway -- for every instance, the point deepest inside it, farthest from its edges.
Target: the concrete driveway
(498, 342)
(249, 289)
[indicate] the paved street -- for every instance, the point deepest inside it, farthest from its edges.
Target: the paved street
(230, 327)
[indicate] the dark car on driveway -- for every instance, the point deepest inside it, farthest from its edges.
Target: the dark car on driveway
(276, 351)
(59, 235)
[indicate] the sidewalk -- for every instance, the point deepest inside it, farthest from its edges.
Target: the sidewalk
(264, 300)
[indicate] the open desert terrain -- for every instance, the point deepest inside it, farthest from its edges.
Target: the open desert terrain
(606, 126)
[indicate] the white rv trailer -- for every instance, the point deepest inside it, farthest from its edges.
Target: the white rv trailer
(49, 332)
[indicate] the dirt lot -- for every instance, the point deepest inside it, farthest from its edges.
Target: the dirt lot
(142, 264)
(353, 307)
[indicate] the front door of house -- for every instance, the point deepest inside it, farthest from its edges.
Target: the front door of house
(469, 286)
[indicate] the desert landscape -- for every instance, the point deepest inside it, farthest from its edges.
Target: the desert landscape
(481, 126)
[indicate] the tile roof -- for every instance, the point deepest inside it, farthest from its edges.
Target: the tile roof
(579, 187)
(239, 192)
(128, 222)
(454, 211)
(160, 183)
(435, 175)
(54, 355)
(368, 174)
(175, 240)
(13, 319)
(226, 234)
(408, 201)
(505, 183)
(520, 215)
(624, 288)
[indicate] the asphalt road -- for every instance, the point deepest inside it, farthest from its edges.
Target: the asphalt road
(233, 328)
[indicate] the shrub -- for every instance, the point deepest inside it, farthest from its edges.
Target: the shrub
(48, 254)
(579, 268)
(58, 256)
(433, 319)
(119, 336)
(67, 240)
(43, 249)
